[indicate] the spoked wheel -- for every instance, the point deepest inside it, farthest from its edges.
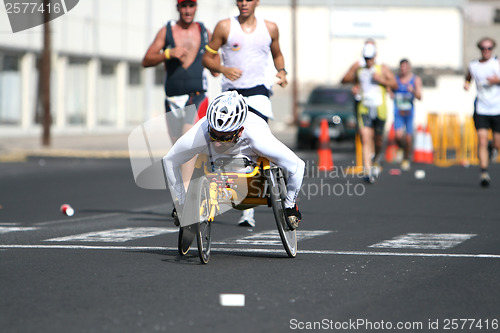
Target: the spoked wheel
(277, 193)
(204, 241)
(204, 228)
(186, 238)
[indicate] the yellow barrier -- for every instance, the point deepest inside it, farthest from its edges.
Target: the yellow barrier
(470, 142)
(358, 168)
(448, 150)
(453, 142)
(434, 128)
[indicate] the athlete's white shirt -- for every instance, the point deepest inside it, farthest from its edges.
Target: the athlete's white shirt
(248, 52)
(371, 94)
(256, 140)
(488, 96)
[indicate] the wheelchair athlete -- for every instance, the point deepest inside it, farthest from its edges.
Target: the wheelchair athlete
(229, 128)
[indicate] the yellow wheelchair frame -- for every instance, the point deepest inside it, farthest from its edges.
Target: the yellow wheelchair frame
(212, 186)
(223, 188)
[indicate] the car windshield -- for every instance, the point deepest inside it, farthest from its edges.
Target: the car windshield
(336, 97)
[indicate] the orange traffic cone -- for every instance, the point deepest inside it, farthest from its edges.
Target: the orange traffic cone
(418, 148)
(428, 148)
(325, 160)
(392, 148)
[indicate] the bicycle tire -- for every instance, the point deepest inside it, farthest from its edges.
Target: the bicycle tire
(186, 238)
(204, 227)
(277, 193)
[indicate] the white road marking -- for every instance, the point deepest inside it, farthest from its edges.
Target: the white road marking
(74, 220)
(114, 235)
(271, 237)
(240, 250)
(424, 241)
(232, 299)
(98, 217)
(4, 230)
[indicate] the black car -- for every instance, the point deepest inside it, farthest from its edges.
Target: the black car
(337, 106)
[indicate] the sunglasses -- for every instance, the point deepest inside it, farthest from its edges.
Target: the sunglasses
(242, 0)
(226, 138)
(486, 48)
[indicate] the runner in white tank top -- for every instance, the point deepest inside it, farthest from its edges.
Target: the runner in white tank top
(248, 52)
(246, 42)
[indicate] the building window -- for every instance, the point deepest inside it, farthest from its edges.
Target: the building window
(134, 75)
(76, 91)
(10, 90)
(107, 69)
(10, 63)
(496, 19)
(135, 96)
(107, 94)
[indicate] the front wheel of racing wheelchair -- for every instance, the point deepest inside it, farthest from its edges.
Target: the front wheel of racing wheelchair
(197, 211)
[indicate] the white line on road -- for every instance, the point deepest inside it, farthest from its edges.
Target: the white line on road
(4, 230)
(272, 237)
(240, 250)
(424, 241)
(73, 220)
(97, 217)
(115, 235)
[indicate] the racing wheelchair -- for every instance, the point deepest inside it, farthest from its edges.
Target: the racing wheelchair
(235, 182)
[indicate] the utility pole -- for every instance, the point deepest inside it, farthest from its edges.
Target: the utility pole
(295, 97)
(45, 69)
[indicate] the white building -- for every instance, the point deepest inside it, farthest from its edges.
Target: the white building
(98, 84)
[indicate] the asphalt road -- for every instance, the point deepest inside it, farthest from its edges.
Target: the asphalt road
(404, 254)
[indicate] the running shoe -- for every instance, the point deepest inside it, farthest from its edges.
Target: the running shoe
(405, 165)
(294, 217)
(246, 219)
(369, 179)
(376, 168)
(371, 176)
(485, 179)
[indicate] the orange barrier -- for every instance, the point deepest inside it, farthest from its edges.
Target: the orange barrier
(418, 147)
(428, 154)
(325, 159)
(391, 149)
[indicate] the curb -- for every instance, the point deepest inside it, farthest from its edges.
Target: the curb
(22, 156)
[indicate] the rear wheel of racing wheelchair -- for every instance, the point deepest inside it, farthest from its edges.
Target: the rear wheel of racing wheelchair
(277, 193)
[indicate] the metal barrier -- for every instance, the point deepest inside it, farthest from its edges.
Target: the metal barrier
(454, 142)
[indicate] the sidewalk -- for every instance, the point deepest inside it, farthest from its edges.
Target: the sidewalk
(18, 149)
(82, 145)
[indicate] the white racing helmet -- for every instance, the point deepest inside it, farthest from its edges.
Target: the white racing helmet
(227, 112)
